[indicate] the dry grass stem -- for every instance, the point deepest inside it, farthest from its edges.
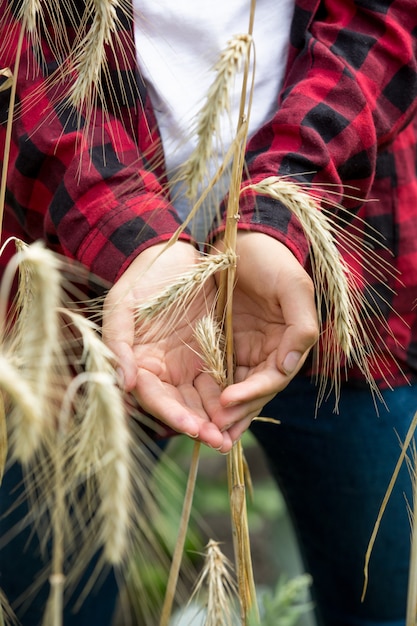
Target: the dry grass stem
(182, 533)
(218, 101)
(411, 614)
(217, 583)
(401, 459)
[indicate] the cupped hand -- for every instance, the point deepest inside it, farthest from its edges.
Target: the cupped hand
(274, 324)
(160, 362)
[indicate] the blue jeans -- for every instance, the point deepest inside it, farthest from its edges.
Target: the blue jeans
(334, 471)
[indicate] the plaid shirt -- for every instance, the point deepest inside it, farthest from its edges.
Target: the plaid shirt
(94, 188)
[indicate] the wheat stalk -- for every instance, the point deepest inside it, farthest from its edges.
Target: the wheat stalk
(7, 616)
(401, 458)
(182, 532)
(411, 614)
(4, 444)
(12, 81)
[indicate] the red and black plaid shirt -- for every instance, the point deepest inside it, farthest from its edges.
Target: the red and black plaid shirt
(94, 189)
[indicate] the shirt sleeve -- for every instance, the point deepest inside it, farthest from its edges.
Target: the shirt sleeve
(350, 89)
(83, 181)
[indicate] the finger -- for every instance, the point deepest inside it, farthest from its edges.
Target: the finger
(296, 298)
(235, 417)
(237, 430)
(118, 334)
(180, 411)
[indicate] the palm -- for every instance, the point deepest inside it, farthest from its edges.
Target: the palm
(258, 332)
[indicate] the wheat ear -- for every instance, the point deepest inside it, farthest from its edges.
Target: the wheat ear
(35, 336)
(218, 100)
(29, 13)
(174, 298)
(99, 442)
(26, 418)
(217, 580)
(112, 471)
(90, 55)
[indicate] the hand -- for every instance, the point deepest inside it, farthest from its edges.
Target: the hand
(275, 326)
(162, 370)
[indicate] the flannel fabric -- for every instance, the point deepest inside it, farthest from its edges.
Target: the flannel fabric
(92, 184)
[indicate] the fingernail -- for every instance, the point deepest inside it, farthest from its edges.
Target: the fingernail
(291, 362)
(191, 436)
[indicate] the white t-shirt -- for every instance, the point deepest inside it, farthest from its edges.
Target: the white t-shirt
(178, 43)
